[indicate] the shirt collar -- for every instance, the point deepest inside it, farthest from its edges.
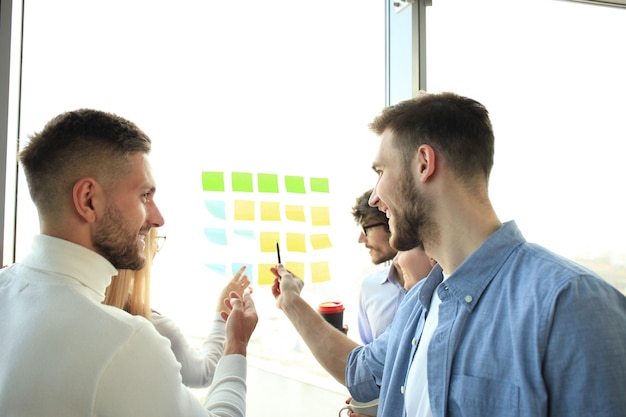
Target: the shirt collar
(471, 278)
(391, 276)
(62, 257)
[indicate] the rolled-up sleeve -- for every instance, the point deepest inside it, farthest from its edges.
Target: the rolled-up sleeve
(364, 369)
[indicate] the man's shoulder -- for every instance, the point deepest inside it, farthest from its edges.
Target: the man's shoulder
(377, 276)
(538, 262)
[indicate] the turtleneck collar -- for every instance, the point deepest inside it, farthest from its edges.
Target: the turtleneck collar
(62, 257)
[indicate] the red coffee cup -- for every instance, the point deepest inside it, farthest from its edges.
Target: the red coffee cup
(332, 311)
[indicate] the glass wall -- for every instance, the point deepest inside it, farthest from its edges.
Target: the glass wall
(258, 113)
(551, 74)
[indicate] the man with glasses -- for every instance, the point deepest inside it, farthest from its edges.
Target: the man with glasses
(383, 290)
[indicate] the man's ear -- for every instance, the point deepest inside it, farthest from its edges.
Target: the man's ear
(426, 161)
(87, 194)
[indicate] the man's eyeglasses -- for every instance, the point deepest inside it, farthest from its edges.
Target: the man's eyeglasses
(159, 241)
(369, 226)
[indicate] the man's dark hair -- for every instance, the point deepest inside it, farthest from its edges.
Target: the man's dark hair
(365, 214)
(457, 127)
(78, 144)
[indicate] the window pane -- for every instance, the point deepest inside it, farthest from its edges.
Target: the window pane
(551, 74)
(271, 98)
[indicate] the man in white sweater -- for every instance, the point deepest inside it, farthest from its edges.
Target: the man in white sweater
(63, 353)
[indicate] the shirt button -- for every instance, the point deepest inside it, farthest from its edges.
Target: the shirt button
(402, 389)
(468, 299)
(414, 341)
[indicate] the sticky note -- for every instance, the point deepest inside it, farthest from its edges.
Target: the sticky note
(320, 216)
(216, 236)
(244, 210)
(219, 269)
(319, 185)
(270, 211)
(216, 208)
(246, 234)
(267, 183)
(296, 268)
(248, 271)
(295, 213)
(294, 184)
(212, 181)
(320, 241)
(320, 272)
(268, 241)
(296, 242)
(266, 277)
(242, 181)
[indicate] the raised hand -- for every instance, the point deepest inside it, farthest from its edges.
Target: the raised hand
(240, 323)
(238, 284)
(285, 284)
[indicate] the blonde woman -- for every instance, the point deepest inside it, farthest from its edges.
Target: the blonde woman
(130, 291)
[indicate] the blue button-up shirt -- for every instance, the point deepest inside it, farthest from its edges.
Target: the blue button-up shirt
(522, 332)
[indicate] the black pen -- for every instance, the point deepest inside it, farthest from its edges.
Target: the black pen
(278, 252)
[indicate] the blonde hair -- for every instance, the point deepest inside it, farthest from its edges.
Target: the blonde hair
(130, 290)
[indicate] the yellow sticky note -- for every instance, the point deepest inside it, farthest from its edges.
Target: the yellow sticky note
(270, 211)
(296, 268)
(265, 275)
(244, 210)
(295, 242)
(268, 241)
(320, 241)
(295, 213)
(320, 272)
(320, 216)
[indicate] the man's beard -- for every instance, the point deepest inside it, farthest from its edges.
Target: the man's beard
(412, 223)
(116, 243)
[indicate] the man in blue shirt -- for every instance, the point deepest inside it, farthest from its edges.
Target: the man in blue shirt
(500, 327)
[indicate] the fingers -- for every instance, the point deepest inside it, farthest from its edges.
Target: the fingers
(238, 274)
(244, 281)
(276, 287)
(232, 300)
(243, 307)
(248, 302)
(280, 271)
(239, 301)
(274, 271)
(240, 279)
(239, 283)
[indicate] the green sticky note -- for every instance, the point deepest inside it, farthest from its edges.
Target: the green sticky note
(212, 181)
(268, 183)
(294, 184)
(319, 185)
(242, 181)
